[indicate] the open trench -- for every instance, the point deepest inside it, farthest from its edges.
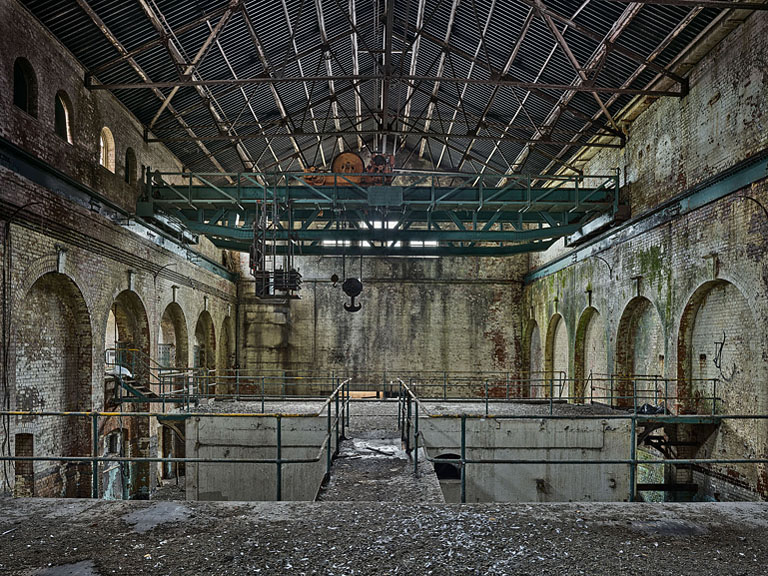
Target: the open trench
(371, 464)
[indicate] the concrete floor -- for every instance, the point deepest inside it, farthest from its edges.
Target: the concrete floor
(88, 537)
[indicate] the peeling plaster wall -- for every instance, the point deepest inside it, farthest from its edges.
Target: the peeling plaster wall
(418, 314)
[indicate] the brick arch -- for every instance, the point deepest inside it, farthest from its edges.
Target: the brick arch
(640, 345)
(584, 363)
(173, 320)
(555, 365)
(45, 265)
(205, 340)
(54, 372)
(226, 344)
(531, 359)
(733, 315)
(132, 320)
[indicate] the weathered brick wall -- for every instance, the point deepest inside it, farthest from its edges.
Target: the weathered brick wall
(103, 263)
(556, 355)
(590, 354)
(59, 305)
(418, 314)
(678, 143)
(56, 69)
(702, 274)
(667, 295)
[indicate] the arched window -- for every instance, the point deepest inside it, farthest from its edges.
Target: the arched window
(63, 116)
(130, 166)
(25, 86)
(107, 149)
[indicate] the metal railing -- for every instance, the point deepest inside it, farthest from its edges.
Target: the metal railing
(623, 391)
(335, 408)
(410, 405)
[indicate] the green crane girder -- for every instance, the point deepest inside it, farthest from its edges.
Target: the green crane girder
(406, 213)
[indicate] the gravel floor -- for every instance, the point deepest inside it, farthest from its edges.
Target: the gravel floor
(502, 408)
(371, 538)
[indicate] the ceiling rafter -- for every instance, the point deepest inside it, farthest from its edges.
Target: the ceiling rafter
(440, 67)
(412, 67)
(113, 40)
(157, 20)
(674, 33)
(460, 103)
(428, 77)
(329, 68)
(267, 66)
(197, 60)
(618, 27)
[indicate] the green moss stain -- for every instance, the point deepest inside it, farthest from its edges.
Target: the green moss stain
(651, 265)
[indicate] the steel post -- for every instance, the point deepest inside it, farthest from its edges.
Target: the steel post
(632, 458)
(551, 393)
(336, 399)
(349, 403)
(463, 458)
(279, 461)
(416, 440)
(95, 452)
(328, 439)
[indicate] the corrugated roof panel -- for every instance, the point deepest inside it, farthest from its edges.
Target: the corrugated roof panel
(284, 28)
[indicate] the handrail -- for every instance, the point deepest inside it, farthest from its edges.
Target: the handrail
(335, 428)
(408, 419)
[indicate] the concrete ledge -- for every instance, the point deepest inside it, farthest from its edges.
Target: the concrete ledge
(381, 538)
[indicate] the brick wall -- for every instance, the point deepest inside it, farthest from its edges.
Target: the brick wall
(668, 294)
(56, 69)
(590, 354)
(679, 142)
(71, 266)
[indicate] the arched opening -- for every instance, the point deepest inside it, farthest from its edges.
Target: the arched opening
(448, 470)
(204, 354)
(63, 116)
(128, 333)
(173, 353)
(590, 357)
(25, 86)
(719, 357)
(532, 361)
(639, 355)
(130, 166)
(54, 369)
(127, 345)
(717, 343)
(173, 345)
(556, 358)
(107, 149)
(226, 353)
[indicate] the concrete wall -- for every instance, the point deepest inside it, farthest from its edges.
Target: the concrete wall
(546, 440)
(244, 437)
(670, 287)
(418, 314)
